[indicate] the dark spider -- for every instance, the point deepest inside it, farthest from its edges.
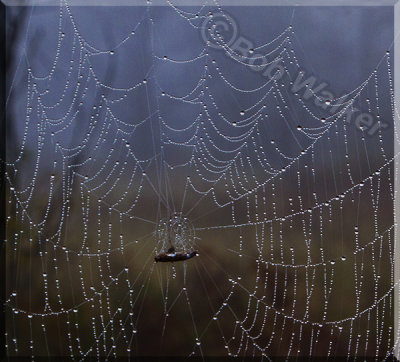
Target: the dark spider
(171, 255)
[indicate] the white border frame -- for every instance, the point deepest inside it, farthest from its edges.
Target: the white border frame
(202, 2)
(396, 70)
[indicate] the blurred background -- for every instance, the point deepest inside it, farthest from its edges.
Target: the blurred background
(120, 119)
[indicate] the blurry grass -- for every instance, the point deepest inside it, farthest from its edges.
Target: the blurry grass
(266, 298)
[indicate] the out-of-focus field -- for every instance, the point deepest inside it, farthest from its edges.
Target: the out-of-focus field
(258, 297)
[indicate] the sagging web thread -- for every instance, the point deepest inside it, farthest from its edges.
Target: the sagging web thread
(279, 229)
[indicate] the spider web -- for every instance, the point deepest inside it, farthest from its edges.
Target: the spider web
(131, 141)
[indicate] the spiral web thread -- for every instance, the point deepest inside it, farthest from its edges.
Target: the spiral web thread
(294, 229)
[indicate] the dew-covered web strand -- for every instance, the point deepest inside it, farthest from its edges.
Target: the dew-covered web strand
(210, 155)
(306, 149)
(293, 161)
